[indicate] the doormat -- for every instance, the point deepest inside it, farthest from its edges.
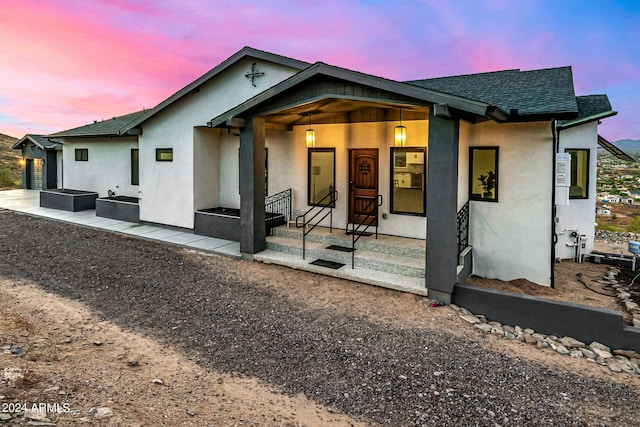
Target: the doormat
(360, 233)
(340, 248)
(328, 264)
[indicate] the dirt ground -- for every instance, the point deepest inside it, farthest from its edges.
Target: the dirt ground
(82, 365)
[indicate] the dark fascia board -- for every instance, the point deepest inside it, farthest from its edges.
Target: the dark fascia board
(319, 68)
(241, 54)
(588, 119)
(24, 139)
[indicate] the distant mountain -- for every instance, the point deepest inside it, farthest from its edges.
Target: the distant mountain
(628, 144)
(9, 157)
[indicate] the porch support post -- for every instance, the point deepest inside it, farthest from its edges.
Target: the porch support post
(252, 157)
(442, 204)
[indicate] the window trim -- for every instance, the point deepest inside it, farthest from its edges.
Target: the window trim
(309, 175)
(496, 157)
(79, 154)
(135, 177)
(587, 174)
(160, 151)
(393, 166)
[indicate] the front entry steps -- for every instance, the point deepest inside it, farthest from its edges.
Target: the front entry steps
(389, 261)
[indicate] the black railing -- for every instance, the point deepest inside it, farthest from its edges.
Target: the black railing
(277, 209)
(463, 228)
(327, 202)
(370, 211)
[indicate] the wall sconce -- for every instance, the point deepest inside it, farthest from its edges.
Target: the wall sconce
(400, 134)
(22, 162)
(310, 135)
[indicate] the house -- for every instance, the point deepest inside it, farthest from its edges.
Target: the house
(41, 161)
(493, 172)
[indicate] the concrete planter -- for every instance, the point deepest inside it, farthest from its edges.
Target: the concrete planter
(119, 207)
(222, 223)
(68, 200)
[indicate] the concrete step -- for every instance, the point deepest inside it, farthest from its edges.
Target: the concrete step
(414, 285)
(364, 259)
(392, 245)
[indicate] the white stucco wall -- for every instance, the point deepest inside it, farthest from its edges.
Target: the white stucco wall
(169, 195)
(59, 169)
(579, 214)
(206, 168)
(108, 167)
(512, 238)
(288, 167)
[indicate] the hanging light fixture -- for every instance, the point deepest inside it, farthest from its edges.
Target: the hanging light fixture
(310, 135)
(400, 134)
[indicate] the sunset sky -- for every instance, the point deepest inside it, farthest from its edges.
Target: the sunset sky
(65, 63)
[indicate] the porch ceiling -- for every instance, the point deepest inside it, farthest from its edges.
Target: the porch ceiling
(343, 110)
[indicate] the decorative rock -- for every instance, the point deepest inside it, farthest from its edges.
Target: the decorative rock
(599, 346)
(529, 331)
(562, 349)
(35, 415)
(510, 334)
(576, 354)
(17, 350)
(485, 327)
(627, 353)
(588, 353)
(482, 318)
(469, 318)
(158, 381)
(571, 342)
(497, 330)
(615, 367)
(602, 354)
(4, 417)
(636, 322)
(98, 343)
(529, 339)
(103, 412)
(455, 308)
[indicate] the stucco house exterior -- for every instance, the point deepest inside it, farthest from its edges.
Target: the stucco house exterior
(493, 172)
(41, 161)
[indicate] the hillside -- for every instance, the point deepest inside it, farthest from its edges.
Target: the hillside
(8, 156)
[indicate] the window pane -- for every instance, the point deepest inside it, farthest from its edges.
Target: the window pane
(579, 173)
(135, 167)
(408, 180)
(82, 154)
(483, 174)
(164, 154)
(321, 174)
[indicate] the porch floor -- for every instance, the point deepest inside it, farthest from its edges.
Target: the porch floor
(390, 262)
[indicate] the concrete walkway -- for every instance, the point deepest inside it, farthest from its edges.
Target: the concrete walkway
(28, 201)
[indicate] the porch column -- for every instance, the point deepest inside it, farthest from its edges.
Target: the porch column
(252, 157)
(442, 204)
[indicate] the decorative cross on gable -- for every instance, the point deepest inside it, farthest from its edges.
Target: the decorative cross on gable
(253, 74)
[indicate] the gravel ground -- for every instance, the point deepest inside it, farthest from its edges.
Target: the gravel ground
(380, 373)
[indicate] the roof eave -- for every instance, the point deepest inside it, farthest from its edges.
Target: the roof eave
(587, 119)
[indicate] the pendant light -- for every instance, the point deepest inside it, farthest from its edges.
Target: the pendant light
(310, 135)
(400, 134)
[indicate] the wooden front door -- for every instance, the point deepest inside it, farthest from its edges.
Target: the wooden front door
(363, 185)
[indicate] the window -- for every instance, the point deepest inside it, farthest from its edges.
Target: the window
(408, 181)
(579, 173)
(135, 167)
(483, 174)
(164, 154)
(82, 154)
(321, 174)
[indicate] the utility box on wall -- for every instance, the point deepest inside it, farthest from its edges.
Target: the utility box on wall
(563, 178)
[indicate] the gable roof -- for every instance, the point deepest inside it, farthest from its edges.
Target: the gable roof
(241, 54)
(39, 140)
(109, 127)
(546, 92)
(427, 95)
(590, 108)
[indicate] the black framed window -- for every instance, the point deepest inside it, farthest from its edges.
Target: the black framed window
(408, 180)
(483, 174)
(321, 176)
(135, 167)
(164, 154)
(579, 173)
(82, 154)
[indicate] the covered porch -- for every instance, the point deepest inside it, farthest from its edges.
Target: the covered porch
(353, 154)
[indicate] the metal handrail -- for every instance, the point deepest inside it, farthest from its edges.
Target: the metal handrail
(463, 228)
(376, 202)
(333, 197)
(279, 203)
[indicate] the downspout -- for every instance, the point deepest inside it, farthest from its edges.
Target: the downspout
(554, 236)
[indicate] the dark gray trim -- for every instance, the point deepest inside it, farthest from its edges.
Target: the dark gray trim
(218, 226)
(549, 317)
(584, 120)
(442, 205)
(160, 151)
(68, 200)
(252, 161)
(118, 209)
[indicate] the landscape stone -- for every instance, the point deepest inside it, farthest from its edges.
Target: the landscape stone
(615, 367)
(529, 339)
(497, 330)
(485, 327)
(562, 349)
(4, 417)
(103, 412)
(529, 331)
(571, 342)
(576, 354)
(599, 346)
(602, 353)
(588, 353)
(627, 353)
(469, 318)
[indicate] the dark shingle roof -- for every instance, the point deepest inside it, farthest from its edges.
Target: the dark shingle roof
(592, 105)
(109, 127)
(537, 92)
(40, 140)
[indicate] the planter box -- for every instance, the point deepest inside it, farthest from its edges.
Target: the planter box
(119, 207)
(68, 200)
(222, 223)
